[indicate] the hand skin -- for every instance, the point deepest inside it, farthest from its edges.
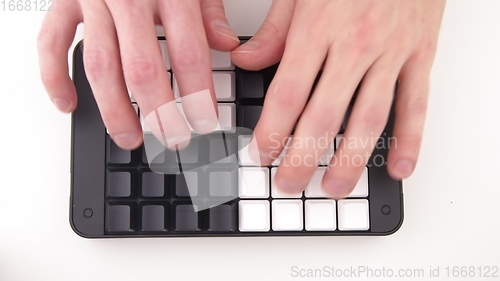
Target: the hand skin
(121, 49)
(377, 42)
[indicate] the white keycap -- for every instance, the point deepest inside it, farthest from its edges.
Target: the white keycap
(132, 99)
(243, 154)
(337, 141)
(175, 89)
(287, 215)
(227, 117)
(278, 160)
(353, 214)
(361, 189)
(224, 85)
(253, 182)
(277, 192)
(314, 189)
(221, 60)
(328, 155)
(320, 215)
(145, 127)
(136, 108)
(164, 53)
(254, 215)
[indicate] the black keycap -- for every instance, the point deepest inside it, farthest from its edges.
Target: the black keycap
(223, 149)
(153, 218)
(249, 116)
(118, 218)
(119, 184)
(223, 183)
(182, 181)
(189, 155)
(251, 86)
(186, 219)
(117, 155)
(153, 184)
(223, 218)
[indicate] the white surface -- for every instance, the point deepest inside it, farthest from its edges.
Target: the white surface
(354, 214)
(287, 215)
(164, 53)
(224, 85)
(361, 188)
(277, 192)
(254, 215)
(221, 60)
(320, 215)
(448, 218)
(313, 189)
(253, 182)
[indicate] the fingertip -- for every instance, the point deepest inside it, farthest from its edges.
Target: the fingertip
(64, 105)
(336, 188)
(400, 169)
(128, 141)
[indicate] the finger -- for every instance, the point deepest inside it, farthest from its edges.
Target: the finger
(219, 34)
(54, 40)
(104, 72)
(411, 108)
(191, 61)
(144, 71)
(365, 125)
(321, 120)
(288, 93)
(267, 46)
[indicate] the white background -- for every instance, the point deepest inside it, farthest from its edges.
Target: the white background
(451, 202)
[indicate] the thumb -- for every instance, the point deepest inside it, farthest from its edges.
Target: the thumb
(266, 47)
(219, 34)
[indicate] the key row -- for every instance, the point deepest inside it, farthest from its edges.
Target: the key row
(251, 216)
(162, 218)
(246, 159)
(258, 182)
(220, 60)
(250, 182)
(311, 215)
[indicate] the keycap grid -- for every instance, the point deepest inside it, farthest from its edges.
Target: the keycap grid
(175, 206)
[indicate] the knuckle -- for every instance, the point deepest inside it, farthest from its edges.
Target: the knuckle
(285, 98)
(97, 62)
(416, 106)
(188, 58)
(141, 71)
(373, 117)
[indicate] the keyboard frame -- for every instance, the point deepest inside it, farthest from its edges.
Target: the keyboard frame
(88, 177)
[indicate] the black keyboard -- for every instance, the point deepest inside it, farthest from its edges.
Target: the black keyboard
(212, 188)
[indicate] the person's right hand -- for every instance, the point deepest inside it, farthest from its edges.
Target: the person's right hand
(121, 50)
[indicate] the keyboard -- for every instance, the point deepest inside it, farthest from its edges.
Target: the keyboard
(219, 190)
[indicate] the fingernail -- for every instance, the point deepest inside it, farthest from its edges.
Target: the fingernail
(249, 47)
(62, 104)
(223, 28)
(337, 189)
(288, 186)
(405, 167)
(126, 141)
(178, 142)
(204, 126)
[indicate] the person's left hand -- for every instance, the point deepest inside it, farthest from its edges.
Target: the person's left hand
(373, 41)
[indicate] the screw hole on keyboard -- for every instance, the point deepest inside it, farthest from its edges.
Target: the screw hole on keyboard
(87, 213)
(386, 210)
